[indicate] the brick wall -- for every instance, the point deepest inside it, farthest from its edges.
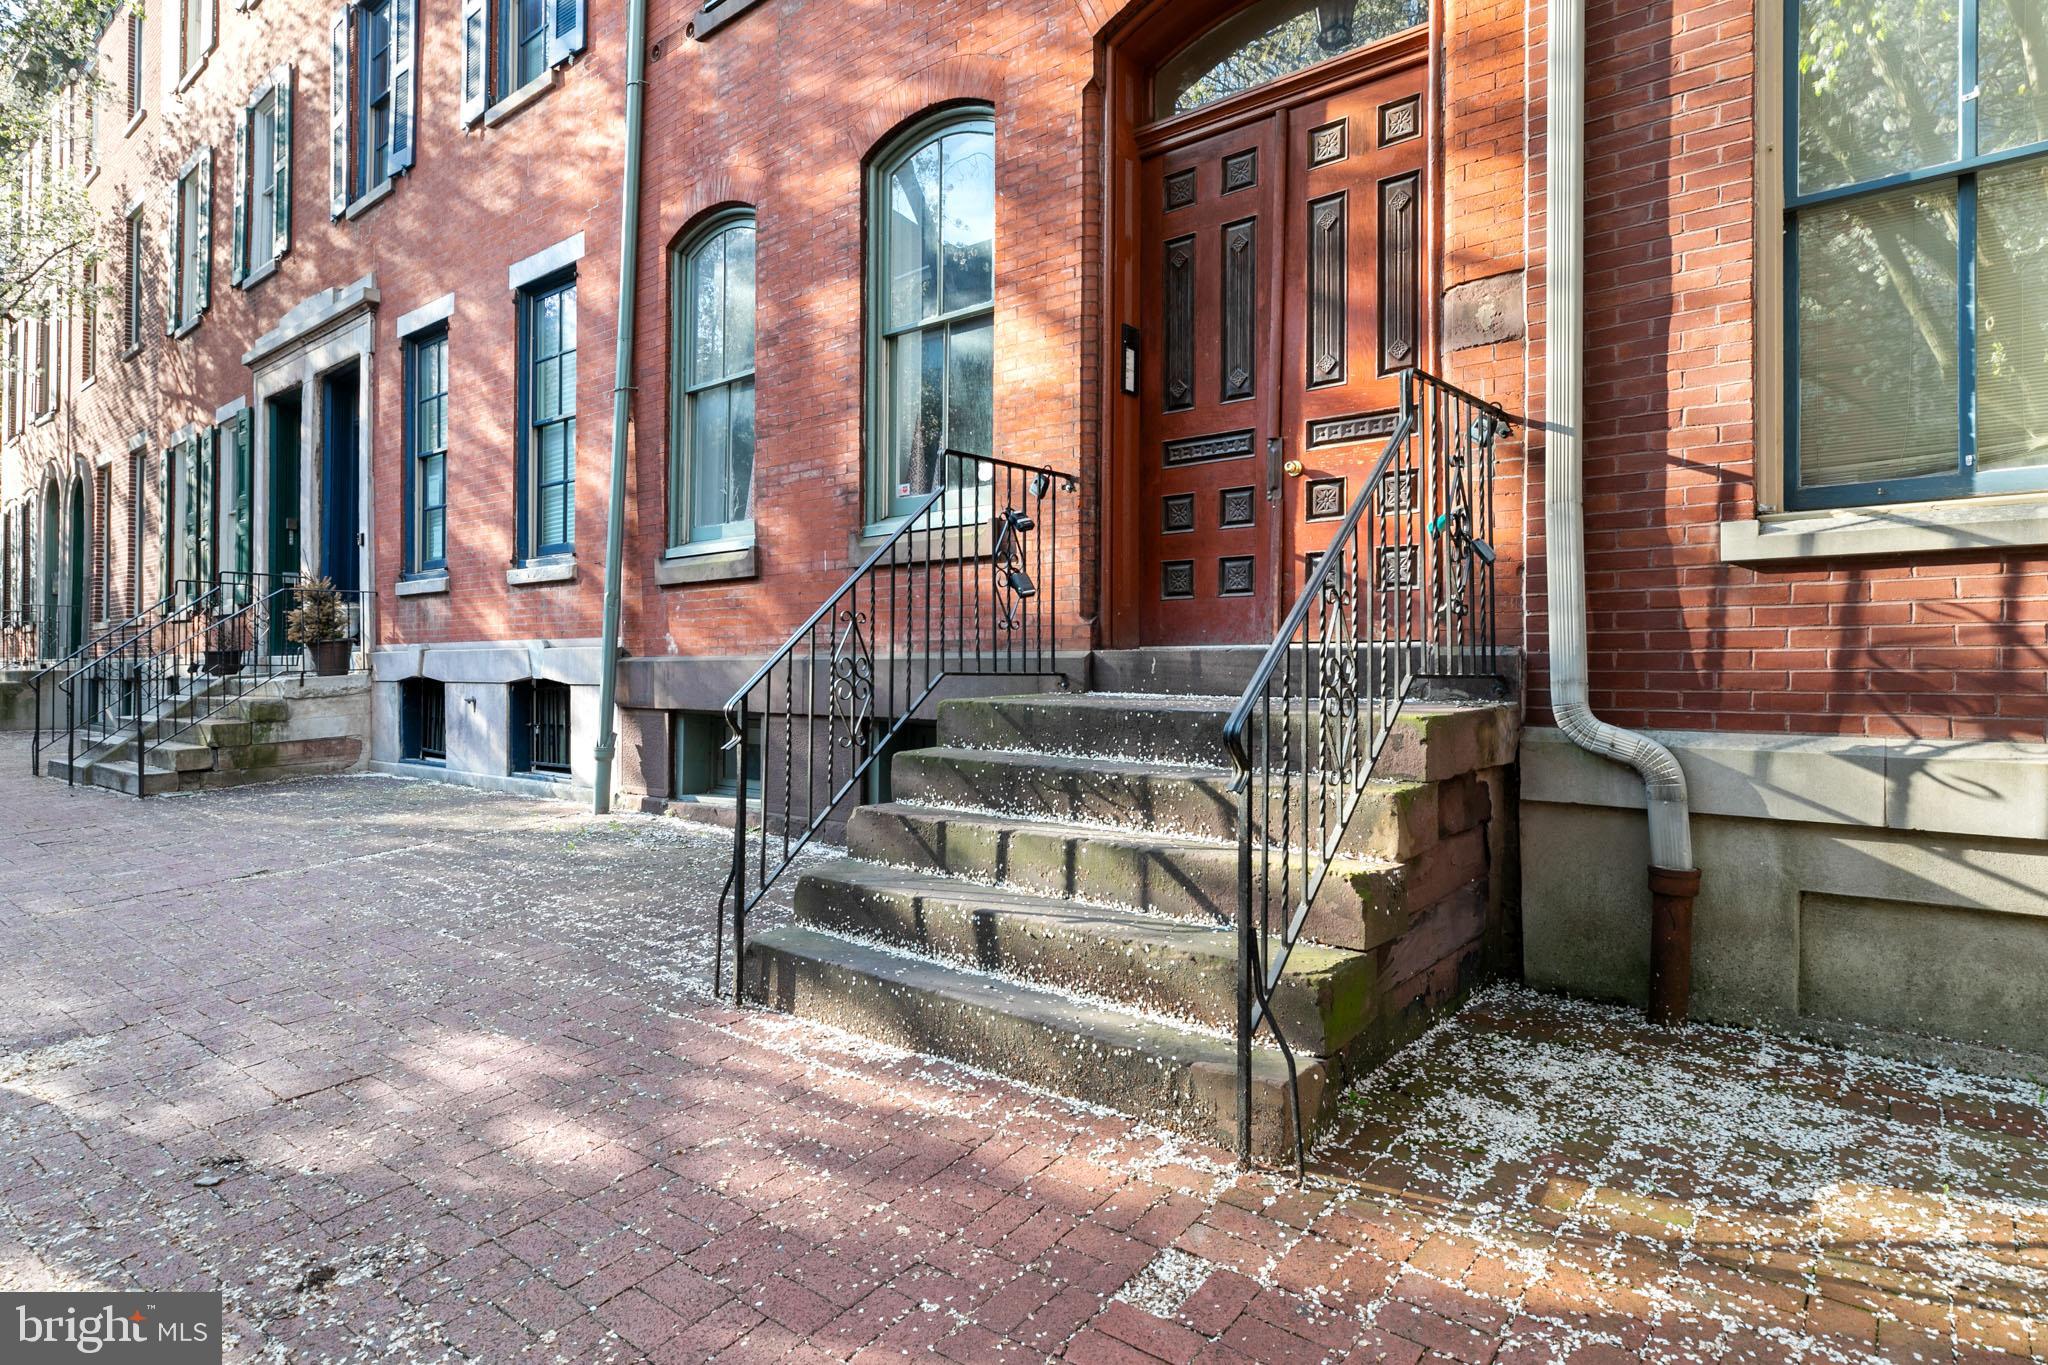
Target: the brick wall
(475, 201)
(780, 110)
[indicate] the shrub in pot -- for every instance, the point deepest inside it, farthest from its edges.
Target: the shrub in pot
(320, 623)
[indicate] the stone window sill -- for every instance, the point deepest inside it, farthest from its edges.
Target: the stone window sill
(1930, 528)
(949, 542)
(192, 74)
(424, 584)
(711, 18)
(258, 275)
(542, 571)
(136, 122)
(370, 198)
(185, 328)
(688, 565)
(520, 98)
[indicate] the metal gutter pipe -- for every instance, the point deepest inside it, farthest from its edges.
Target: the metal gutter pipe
(1674, 881)
(622, 399)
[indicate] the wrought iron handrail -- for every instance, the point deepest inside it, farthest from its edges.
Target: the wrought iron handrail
(1404, 592)
(121, 631)
(213, 651)
(937, 606)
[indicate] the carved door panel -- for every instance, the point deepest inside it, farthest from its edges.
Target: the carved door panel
(1353, 299)
(1282, 296)
(1210, 386)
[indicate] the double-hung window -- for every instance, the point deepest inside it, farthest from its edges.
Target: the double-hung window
(1916, 242)
(194, 35)
(426, 437)
(548, 426)
(188, 245)
(376, 130)
(371, 123)
(263, 178)
(523, 54)
(711, 471)
(510, 45)
(932, 332)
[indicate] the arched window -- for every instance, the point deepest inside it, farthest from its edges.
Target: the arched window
(711, 446)
(1271, 40)
(931, 355)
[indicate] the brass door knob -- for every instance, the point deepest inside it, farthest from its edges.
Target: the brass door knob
(1293, 468)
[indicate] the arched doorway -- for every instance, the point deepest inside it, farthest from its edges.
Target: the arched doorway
(75, 576)
(1271, 265)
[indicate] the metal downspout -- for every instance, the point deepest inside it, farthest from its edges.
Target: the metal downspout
(1673, 879)
(622, 399)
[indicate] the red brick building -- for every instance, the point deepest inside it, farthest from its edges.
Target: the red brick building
(1142, 242)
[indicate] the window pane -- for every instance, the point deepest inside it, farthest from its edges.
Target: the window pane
(1268, 41)
(913, 239)
(970, 388)
(2012, 71)
(547, 390)
(565, 302)
(707, 312)
(1877, 88)
(739, 504)
(1877, 339)
(554, 453)
(710, 426)
(547, 324)
(2012, 318)
(917, 411)
(739, 300)
(970, 220)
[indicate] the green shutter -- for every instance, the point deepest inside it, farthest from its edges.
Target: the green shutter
(205, 262)
(238, 245)
(281, 142)
(245, 496)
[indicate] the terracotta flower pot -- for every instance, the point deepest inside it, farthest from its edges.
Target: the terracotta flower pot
(330, 658)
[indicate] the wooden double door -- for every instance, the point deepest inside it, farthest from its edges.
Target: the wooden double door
(1282, 296)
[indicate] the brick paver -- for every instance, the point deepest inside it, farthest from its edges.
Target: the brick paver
(414, 1073)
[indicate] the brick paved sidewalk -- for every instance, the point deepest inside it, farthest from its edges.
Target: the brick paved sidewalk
(419, 1074)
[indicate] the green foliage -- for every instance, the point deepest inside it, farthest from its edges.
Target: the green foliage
(320, 617)
(47, 77)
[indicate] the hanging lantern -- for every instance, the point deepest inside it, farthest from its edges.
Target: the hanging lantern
(1333, 32)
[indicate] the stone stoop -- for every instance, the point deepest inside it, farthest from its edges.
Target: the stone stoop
(1052, 896)
(297, 729)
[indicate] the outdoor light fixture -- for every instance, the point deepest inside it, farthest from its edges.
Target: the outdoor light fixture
(1333, 32)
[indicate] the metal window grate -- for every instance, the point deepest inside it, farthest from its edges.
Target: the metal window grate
(426, 721)
(548, 727)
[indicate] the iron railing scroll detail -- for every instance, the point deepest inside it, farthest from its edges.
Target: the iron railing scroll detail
(1404, 594)
(966, 585)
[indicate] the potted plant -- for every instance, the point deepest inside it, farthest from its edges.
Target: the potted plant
(225, 647)
(320, 624)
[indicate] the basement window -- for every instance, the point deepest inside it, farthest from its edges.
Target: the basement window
(423, 719)
(540, 727)
(702, 764)
(915, 734)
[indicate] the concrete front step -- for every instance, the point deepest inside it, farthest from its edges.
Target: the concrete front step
(1147, 1069)
(1427, 741)
(1364, 903)
(1395, 821)
(1154, 965)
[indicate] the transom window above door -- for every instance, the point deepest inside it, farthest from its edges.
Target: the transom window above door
(1916, 241)
(1275, 38)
